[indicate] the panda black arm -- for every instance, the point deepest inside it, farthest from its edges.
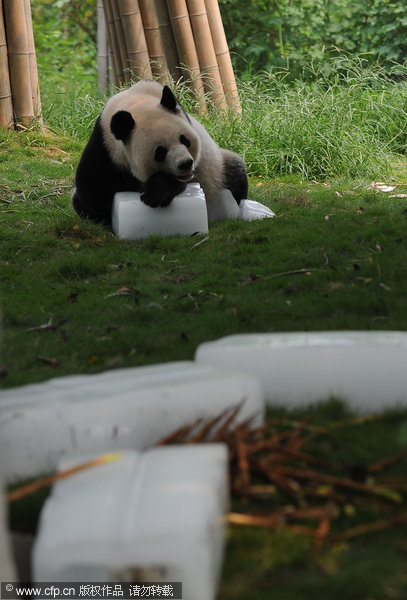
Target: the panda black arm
(160, 190)
(98, 179)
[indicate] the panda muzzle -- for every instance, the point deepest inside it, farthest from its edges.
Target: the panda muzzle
(186, 169)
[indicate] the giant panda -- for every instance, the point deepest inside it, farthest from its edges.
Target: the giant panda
(144, 141)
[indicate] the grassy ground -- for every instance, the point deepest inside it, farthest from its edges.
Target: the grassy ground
(282, 564)
(333, 258)
(76, 299)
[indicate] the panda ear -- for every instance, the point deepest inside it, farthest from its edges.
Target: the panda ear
(121, 125)
(168, 100)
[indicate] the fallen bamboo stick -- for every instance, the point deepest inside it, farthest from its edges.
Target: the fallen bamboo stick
(185, 42)
(34, 486)
(206, 54)
(223, 55)
(35, 88)
(19, 65)
(6, 103)
(365, 528)
(138, 62)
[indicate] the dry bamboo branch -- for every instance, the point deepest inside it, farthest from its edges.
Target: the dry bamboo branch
(254, 520)
(135, 39)
(341, 482)
(35, 88)
(385, 462)
(167, 37)
(242, 459)
(188, 57)
(206, 53)
(19, 64)
(34, 486)
(222, 55)
(365, 528)
(180, 435)
(158, 62)
(6, 104)
(223, 430)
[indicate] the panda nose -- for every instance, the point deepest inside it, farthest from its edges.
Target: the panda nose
(186, 165)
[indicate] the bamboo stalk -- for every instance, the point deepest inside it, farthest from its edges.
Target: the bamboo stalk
(103, 50)
(118, 46)
(122, 48)
(167, 37)
(19, 64)
(112, 42)
(149, 17)
(222, 55)
(206, 54)
(135, 39)
(35, 88)
(184, 38)
(6, 103)
(34, 486)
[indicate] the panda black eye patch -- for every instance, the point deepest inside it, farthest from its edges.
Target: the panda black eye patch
(184, 140)
(160, 153)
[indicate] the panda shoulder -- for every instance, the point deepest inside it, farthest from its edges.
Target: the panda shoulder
(206, 140)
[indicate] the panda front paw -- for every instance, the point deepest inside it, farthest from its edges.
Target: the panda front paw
(160, 190)
(156, 200)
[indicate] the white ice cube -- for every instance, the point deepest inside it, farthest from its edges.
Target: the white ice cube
(185, 215)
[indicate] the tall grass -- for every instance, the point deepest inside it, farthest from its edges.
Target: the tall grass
(347, 118)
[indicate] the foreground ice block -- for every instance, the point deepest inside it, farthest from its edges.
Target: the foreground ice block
(187, 214)
(125, 408)
(155, 516)
(367, 369)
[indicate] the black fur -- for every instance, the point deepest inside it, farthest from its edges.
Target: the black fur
(235, 177)
(121, 125)
(184, 140)
(98, 179)
(160, 189)
(168, 100)
(160, 153)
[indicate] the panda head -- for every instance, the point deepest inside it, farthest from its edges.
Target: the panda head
(157, 137)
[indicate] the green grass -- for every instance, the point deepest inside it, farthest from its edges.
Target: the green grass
(279, 564)
(349, 239)
(349, 122)
(272, 565)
